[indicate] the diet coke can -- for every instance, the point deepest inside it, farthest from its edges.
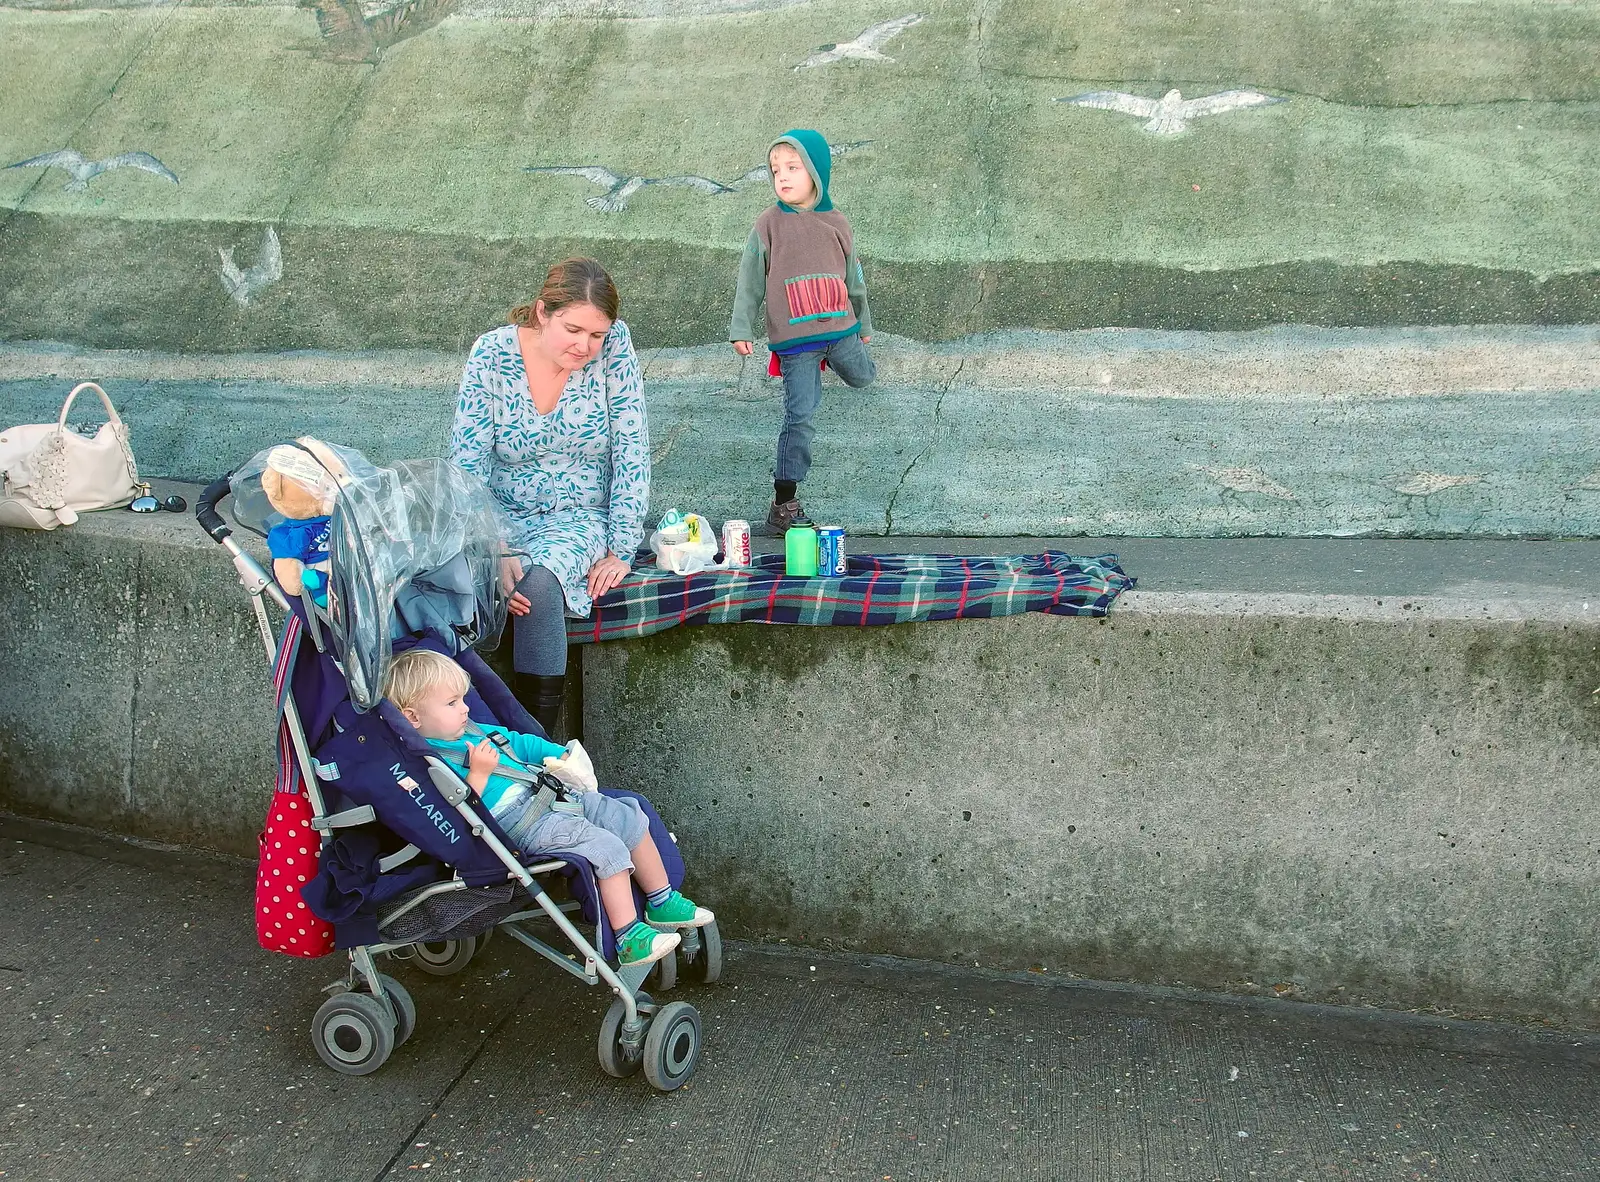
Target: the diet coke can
(735, 543)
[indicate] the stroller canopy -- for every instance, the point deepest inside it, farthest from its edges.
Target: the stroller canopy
(412, 548)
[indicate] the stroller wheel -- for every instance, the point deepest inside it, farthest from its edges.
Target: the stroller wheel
(614, 1057)
(353, 1033)
(405, 1010)
(706, 965)
(666, 973)
(672, 1046)
(443, 958)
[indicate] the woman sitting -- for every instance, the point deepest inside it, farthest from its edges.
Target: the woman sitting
(552, 418)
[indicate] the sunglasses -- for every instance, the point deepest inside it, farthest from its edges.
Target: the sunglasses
(150, 504)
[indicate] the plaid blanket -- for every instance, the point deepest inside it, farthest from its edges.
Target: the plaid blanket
(879, 589)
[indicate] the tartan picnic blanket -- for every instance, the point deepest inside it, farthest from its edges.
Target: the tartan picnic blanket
(878, 589)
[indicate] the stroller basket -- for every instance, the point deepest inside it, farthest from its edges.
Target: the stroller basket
(453, 915)
(411, 867)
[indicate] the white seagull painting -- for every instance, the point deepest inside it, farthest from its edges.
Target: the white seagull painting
(1171, 114)
(620, 188)
(865, 46)
(83, 170)
(264, 272)
(1245, 480)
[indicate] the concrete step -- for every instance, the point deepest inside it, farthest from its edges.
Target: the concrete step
(1361, 770)
(1463, 432)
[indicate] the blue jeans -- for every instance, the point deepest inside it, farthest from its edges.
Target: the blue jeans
(802, 394)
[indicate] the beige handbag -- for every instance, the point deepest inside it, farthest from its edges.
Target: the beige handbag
(50, 474)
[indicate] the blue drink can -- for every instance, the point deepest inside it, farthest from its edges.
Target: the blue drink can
(830, 550)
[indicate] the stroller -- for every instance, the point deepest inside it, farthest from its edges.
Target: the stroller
(408, 864)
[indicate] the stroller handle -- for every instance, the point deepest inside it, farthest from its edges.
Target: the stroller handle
(206, 511)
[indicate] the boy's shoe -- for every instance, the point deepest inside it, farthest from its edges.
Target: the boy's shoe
(781, 517)
(641, 944)
(678, 912)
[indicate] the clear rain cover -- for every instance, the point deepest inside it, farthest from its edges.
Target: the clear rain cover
(412, 547)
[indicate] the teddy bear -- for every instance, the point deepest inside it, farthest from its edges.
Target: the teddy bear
(300, 486)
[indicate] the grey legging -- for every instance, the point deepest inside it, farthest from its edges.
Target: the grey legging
(540, 636)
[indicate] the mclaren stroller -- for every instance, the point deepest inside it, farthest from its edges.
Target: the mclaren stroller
(407, 863)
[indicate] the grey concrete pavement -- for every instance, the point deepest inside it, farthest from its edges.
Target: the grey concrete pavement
(145, 1036)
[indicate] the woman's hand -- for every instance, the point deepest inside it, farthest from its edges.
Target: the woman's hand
(743, 348)
(510, 575)
(606, 574)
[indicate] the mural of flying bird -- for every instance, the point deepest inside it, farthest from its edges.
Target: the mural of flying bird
(1171, 113)
(83, 170)
(620, 188)
(350, 35)
(865, 47)
(1245, 480)
(761, 174)
(264, 272)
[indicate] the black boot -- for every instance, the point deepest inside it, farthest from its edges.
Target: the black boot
(541, 696)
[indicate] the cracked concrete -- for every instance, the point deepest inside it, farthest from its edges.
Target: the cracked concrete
(938, 409)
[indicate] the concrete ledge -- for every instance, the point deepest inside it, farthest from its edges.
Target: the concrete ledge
(1448, 432)
(1322, 796)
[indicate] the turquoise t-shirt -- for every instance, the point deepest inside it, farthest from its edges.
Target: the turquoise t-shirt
(529, 750)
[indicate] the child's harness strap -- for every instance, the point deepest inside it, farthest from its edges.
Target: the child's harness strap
(514, 770)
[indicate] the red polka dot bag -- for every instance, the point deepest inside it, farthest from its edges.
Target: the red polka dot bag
(290, 849)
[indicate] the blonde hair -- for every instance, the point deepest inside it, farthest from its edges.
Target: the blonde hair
(417, 671)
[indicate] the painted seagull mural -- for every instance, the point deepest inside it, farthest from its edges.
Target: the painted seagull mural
(83, 170)
(350, 35)
(620, 188)
(1171, 114)
(263, 273)
(1245, 480)
(761, 174)
(865, 46)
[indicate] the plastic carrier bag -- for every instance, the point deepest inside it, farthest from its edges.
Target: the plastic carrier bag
(684, 543)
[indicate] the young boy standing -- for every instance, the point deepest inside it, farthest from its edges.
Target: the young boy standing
(800, 260)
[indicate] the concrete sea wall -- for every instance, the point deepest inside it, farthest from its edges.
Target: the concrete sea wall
(1339, 797)
(354, 181)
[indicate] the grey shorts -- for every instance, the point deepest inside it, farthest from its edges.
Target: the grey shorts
(601, 835)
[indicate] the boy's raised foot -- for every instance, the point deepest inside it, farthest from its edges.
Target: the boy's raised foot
(781, 516)
(677, 912)
(641, 944)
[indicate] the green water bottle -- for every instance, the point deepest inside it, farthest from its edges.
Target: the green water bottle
(800, 550)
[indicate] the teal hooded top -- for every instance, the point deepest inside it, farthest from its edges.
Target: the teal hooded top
(818, 159)
(802, 264)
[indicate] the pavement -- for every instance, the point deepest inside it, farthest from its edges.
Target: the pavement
(144, 1035)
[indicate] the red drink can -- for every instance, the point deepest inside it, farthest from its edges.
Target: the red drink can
(735, 543)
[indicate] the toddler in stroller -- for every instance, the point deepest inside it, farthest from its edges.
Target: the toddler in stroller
(572, 821)
(412, 862)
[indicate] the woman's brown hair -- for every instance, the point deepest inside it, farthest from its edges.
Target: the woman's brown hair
(571, 281)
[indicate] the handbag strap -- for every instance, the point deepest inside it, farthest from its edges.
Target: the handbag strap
(111, 411)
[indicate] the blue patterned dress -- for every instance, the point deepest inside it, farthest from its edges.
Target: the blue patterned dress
(575, 482)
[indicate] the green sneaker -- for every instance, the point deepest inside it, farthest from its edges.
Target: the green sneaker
(641, 944)
(677, 912)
